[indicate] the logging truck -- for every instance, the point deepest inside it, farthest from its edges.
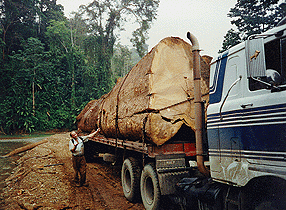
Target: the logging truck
(237, 160)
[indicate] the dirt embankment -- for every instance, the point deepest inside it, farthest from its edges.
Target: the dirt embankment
(42, 180)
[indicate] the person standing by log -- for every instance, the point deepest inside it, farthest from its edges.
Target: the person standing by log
(76, 146)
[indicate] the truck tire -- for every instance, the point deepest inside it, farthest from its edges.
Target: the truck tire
(263, 203)
(149, 187)
(273, 201)
(130, 179)
(268, 194)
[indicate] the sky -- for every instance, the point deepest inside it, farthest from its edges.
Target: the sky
(206, 19)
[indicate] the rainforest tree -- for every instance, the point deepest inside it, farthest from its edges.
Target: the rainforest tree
(252, 17)
(51, 66)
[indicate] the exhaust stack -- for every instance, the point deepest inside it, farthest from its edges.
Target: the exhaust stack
(198, 105)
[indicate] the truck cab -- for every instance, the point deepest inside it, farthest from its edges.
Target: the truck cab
(246, 117)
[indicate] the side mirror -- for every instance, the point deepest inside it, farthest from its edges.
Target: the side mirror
(255, 58)
(273, 77)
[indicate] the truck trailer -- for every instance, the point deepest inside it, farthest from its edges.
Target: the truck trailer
(237, 160)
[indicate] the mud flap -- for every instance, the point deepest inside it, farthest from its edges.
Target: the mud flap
(170, 169)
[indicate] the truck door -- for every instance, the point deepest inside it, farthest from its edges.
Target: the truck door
(264, 116)
(225, 100)
(230, 118)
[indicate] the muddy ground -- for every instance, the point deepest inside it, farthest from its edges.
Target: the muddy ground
(43, 180)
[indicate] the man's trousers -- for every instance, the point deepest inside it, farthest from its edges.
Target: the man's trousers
(79, 165)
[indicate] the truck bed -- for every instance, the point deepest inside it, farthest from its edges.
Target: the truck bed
(152, 150)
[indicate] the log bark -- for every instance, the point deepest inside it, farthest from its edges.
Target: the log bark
(87, 120)
(153, 100)
(24, 148)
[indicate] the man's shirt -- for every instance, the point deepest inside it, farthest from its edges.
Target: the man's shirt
(79, 150)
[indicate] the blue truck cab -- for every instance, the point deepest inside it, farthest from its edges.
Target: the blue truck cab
(246, 117)
(246, 129)
(247, 111)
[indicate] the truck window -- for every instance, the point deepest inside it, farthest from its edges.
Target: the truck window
(272, 55)
(275, 59)
(232, 75)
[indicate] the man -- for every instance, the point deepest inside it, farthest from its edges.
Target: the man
(76, 146)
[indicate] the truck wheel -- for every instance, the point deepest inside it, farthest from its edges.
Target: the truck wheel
(130, 179)
(265, 202)
(271, 202)
(269, 194)
(149, 187)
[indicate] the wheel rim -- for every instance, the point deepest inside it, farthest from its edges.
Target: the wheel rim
(149, 190)
(127, 180)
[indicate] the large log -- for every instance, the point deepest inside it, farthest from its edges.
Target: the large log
(24, 148)
(153, 100)
(87, 120)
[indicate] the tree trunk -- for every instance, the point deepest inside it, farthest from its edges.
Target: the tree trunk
(153, 100)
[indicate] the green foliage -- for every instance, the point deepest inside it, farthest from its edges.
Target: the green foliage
(104, 18)
(281, 11)
(252, 17)
(52, 67)
(121, 61)
(231, 39)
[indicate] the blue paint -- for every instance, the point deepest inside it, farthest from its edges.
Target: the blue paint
(217, 85)
(256, 129)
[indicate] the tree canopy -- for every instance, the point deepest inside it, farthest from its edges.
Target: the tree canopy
(53, 66)
(104, 19)
(252, 17)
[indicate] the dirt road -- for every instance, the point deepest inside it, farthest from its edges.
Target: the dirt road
(42, 180)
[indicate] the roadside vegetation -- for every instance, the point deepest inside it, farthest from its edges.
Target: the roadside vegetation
(52, 66)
